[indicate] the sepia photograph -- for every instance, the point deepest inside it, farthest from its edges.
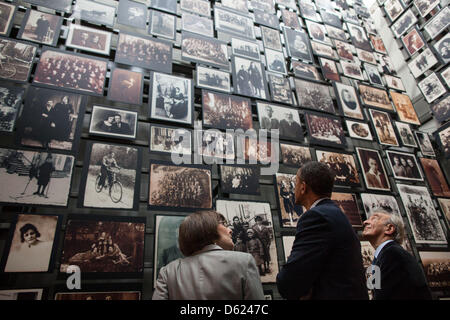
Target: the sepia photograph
(297, 44)
(375, 97)
(445, 207)
(111, 177)
(271, 39)
(89, 39)
(442, 138)
(224, 111)
(413, 41)
(199, 7)
(40, 27)
(255, 150)
(344, 50)
(7, 11)
(104, 244)
(214, 79)
(253, 232)
(30, 247)
(435, 177)
(51, 119)
(323, 50)
(374, 202)
(358, 130)
(404, 107)
(436, 265)
(343, 165)
(275, 61)
(98, 296)
(233, 23)
(200, 49)
(421, 63)
(394, 82)
(126, 86)
(21, 294)
(290, 19)
(238, 5)
(442, 48)
(172, 98)
(325, 130)
(163, 25)
(249, 78)
(10, 102)
(145, 52)
(373, 75)
(348, 203)
(329, 69)
(425, 143)
(352, 70)
(132, 13)
(425, 6)
(245, 49)
(166, 139)
(17, 59)
(441, 109)
(314, 96)
(405, 133)
(294, 155)
(308, 11)
(164, 5)
(306, 71)
(348, 101)
(240, 179)
(194, 23)
(373, 169)
(318, 32)
(393, 9)
(286, 120)
(94, 12)
(377, 43)
(336, 33)
(383, 127)
(331, 18)
(404, 23)
(404, 166)
(285, 190)
(179, 187)
(35, 178)
(280, 89)
(266, 19)
(359, 37)
(113, 122)
(431, 87)
(214, 145)
(385, 64)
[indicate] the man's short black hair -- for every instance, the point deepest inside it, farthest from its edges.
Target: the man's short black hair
(319, 177)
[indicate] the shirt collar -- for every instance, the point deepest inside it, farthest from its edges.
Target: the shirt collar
(317, 202)
(380, 247)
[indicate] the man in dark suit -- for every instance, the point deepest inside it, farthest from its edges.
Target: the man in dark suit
(401, 275)
(325, 261)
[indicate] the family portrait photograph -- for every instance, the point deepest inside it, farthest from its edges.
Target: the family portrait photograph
(89, 39)
(343, 165)
(113, 122)
(240, 179)
(286, 120)
(249, 78)
(325, 130)
(294, 155)
(404, 165)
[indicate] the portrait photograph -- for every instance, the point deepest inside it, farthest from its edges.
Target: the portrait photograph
(224, 111)
(436, 265)
(329, 69)
(275, 61)
(314, 96)
(431, 87)
(40, 27)
(239, 179)
(18, 59)
(359, 37)
(336, 33)
(89, 39)
(199, 7)
(306, 71)
(317, 32)
(21, 294)
(383, 127)
(344, 49)
(94, 12)
(70, 71)
(440, 109)
(46, 182)
(328, 17)
(214, 145)
(280, 89)
(286, 120)
(200, 49)
(285, 190)
(51, 119)
(425, 6)
(163, 25)
(405, 133)
(132, 13)
(393, 9)
(214, 79)
(404, 107)
(374, 202)
(325, 130)
(113, 122)
(266, 19)
(230, 22)
(294, 155)
(179, 187)
(196, 24)
(413, 41)
(385, 64)
(308, 11)
(271, 39)
(98, 296)
(237, 5)
(351, 70)
(374, 97)
(245, 49)
(30, 246)
(290, 19)
(249, 78)
(442, 138)
(404, 166)
(145, 52)
(422, 217)
(297, 44)
(7, 11)
(111, 177)
(425, 143)
(373, 169)
(359, 130)
(373, 75)
(126, 86)
(422, 62)
(445, 207)
(348, 203)
(10, 102)
(104, 245)
(164, 5)
(394, 82)
(171, 98)
(435, 177)
(343, 165)
(348, 101)
(442, 48)
(323, 50)
(377, 43)
(165, 139)
(406, 21)
(253, 232)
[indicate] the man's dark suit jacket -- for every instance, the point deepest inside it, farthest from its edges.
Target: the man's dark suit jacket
(401, 275)
(325, 258)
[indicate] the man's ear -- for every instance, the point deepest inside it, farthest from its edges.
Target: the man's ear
(390, 229)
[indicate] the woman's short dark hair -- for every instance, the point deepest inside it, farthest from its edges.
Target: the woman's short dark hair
(198, 230)
(27, 227)
(319, 177)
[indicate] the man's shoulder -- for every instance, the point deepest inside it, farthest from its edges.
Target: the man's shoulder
(393, 250)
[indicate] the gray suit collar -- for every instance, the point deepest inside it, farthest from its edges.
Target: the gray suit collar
(209, 247)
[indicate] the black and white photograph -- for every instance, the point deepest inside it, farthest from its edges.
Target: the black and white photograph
(245, 48)
(214, 79)
(441, 109)
(104, 245)
(326, 4)
(348, 203)
(290, 19)
(199, 7)
(200, 49)
(404, 166)
(393, 9)
(286, 120)
(373, 202)
(445, 75)
(425, 6)
(442, 48)
(329, 69)
(297, 44)
(238, 5)
(348, 101)
(294, 155)
(179, 187)
(17, 59)
(230, 22)
(164, 5)
(239, 179)
(266, 19)
(308, 11)
(431, 87)
(350, 16)
(331, 18)
(317, 32)
(224, 111)
(287, 3)
(145, 52)
(314, 96)
(98, 295)
(7, 11)
(280, 89)
(373, 169)
(394, 82)
(132, 13)
(359, 37)
(172, 98)
(113, 122)
(383, 128)
(359, 130)
(271, 39)
(285, 190)
(51, 119)
(435, 177)
(306, 71)
(343, 165)
(366, 56)
(373, 74)
(425, 143)
(336, 33)
(35, 178)
(385, 64)
(404, 23)
(436, 267)
(58, 5)
(370, 28)
(21, 294)
(404, 107)
(275, 61)
(10, 102)
(253, 232)
(126, 86)
(422, 62)
(377, 43)
(413, 41)
(214, 145)
(323, 50)
(344, 50)
(111, 177)
(165, 139)
(40, 27)
(325, 130)
(442, 138)
(249, 78)
(263, 5)
(88, 39)
(375, 97)
(406, 135)
(31, 243)
(194, 23)
(421, 214)
(163, 25)
(94, 12)
(351, 70)
(445, 207)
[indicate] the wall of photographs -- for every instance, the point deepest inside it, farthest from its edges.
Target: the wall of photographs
(98, 108)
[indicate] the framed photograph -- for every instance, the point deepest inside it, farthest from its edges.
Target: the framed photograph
(421, 63)
(385, 64)
(97, 295)
(249, 78)
(237, 5)
(404, 23)
(425, 7)
(359, 130)
(308, 11)
(165, 5)
(21, 294)
(200, 49)
(179, 187)
(214, 145)
(263, 5)
(343, 165)
(325, 130)
(359, 37)
(287, 3)
(405, 133)
(425, 144)
(329, 69)
(373, 202)
(145, 52)
(366, 56)
(431, 87)
(110, 245)
(163, 24)
(271, 39)
(325, 4)
(58, 5)
(285, 190)
(76, 75)
(306, 71)
(280, 89)
(374, 97)
(314, 96)
(290, 19)
(435, 177)
(348, 101)
(199, 7)
(297, 44)
(445, 75)
(422, 216)
(94, 12)
(113, 122)
(342, 4)
(377, 43)
(323, 50)
(224, 111)
(317, 32)
(240, 179)
(253, 150)
(266, 19)
(394, 82)
(336, 33)
(231, 22)
(40, 27)
(383, 128)
(245, 49)
(331, 18)
(47, 182)
(18, 59)
(10, 103)
(370, 28)
(7, 11)
(132, 13)
(442, 48)
(413, 41)
(168, 140)
(30, 247)
(275, 61)
(196, 24)
(442, 138)
(344, 50)
(373, 170)
(111, 177)
(348, 203)
(89, 39)
(51, 119)
(350, 16)
(393, 9)
(445, 206)
(214, 79)
(352, 70)
(286, 120)
(434, 265)
(404, 166)
(126, 86)
(294, 155)
(441, 109)
(253, 228)
(373, 75)
(404, 107)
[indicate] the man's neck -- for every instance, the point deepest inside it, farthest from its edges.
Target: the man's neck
(377, 242)
(309, 202)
